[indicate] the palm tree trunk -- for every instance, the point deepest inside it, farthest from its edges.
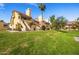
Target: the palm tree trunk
(42, 15)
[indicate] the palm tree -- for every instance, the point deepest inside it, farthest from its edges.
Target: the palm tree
(42, 8)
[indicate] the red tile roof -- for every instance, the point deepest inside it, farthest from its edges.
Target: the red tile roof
(23, 15)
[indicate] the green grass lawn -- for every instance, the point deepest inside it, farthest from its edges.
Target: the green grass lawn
(39, 42)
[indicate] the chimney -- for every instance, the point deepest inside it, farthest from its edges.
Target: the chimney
(40, 18)
(28, 12)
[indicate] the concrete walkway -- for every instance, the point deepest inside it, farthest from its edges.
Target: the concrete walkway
(76, 38)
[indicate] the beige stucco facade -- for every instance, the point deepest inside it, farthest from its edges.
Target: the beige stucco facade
(24, 22)
(22, 19)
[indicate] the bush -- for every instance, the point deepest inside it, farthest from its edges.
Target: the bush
(43, 27)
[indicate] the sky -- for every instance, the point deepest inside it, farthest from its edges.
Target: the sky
(69, 10)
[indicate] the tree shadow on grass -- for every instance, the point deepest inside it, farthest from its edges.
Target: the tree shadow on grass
(62, 31)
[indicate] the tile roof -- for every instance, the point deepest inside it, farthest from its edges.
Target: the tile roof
(23, 15)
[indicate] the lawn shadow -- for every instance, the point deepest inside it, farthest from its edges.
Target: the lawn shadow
(62, 31)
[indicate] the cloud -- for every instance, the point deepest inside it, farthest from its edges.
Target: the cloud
(2, 6)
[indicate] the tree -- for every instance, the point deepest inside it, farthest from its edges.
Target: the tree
(42, 8)
(43, 27)
(62, 22)
(53, 21)
(77, 23)
(1, 21)
(58, 23)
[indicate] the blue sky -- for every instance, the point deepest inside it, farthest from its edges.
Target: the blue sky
(69, 10)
